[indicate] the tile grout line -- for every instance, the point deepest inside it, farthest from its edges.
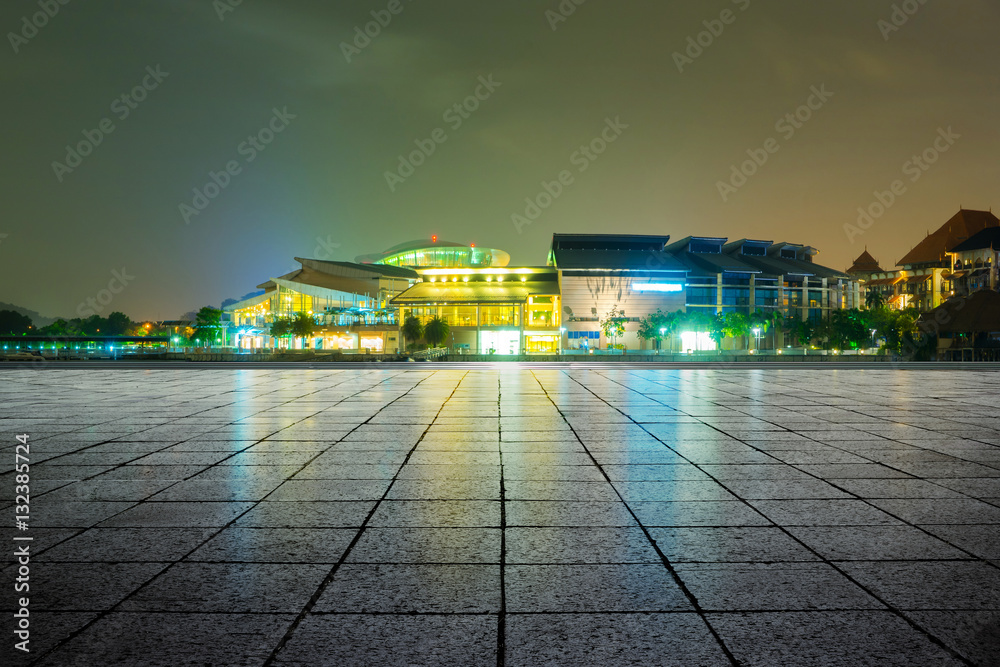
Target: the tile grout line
(328, 579)
(691, 598)
(502, 618)
(895, 611)
(104, 613)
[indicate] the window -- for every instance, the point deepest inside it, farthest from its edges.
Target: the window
(754, 250)
(701, 296)
(711, 247)
(788, 253)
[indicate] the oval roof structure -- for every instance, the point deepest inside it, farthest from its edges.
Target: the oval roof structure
(435, 253)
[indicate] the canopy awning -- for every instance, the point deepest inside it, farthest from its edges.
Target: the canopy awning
(508, 291)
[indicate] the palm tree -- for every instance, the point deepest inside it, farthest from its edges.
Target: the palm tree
(412, 330)
(436, 331)
(874, 299)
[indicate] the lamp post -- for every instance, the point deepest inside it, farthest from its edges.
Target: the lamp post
(663, 331)
(873, 338)
(562, 332)
(756, 336)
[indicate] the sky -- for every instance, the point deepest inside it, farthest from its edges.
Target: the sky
(253, 132)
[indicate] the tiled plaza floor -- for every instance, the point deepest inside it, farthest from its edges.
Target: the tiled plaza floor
(514, 517)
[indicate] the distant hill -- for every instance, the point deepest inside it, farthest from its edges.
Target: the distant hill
(37, 319)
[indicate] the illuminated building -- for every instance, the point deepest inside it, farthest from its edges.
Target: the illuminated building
(938, 266)
(489, 311)
(639, 275)
(348, 302)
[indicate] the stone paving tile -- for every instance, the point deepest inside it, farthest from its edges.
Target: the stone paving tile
(974, 635)
(458, 640)
(941, 510)
(679, 639)
(701, 513)
(896, 488)
(124, 545)
(823, 513)
(48, 631)
(167, 640)
(842, 639)
(931, 585)
(413, 589)
(84, 586)
(592, 588)
(760, 544)
(874, 543)
(567, 513)
(345, 514)
(578, 545)
(437, 513)
(240, 588)
(772, 587)
(177, 515)
(427, 545)
(197, 519)
(239, 544)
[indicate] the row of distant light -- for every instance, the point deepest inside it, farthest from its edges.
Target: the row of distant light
(465, 279)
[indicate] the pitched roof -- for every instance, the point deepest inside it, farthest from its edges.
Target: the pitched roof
(976, 313)
(352, 269)
(986, 238)
(960, 227)
(865, 263)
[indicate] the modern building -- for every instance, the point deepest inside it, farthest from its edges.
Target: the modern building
(489, 310)
(493, 308)
(350, 304)
(928, 275)
(638, 275)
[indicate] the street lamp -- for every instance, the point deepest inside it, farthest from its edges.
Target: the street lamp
(562, 332)
(756, 335)
(873, 338)
(663, 331)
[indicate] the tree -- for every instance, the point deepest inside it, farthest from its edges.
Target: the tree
(281, 327)
(13, 323)
(61, 328)
(93, 325)
(658, 325)
(874, 300)
(613, 325)
(436, 331)
(801, 332)
(303, 325)
(117, 324)
(412, 330)
(208, 325)
(736, 325)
